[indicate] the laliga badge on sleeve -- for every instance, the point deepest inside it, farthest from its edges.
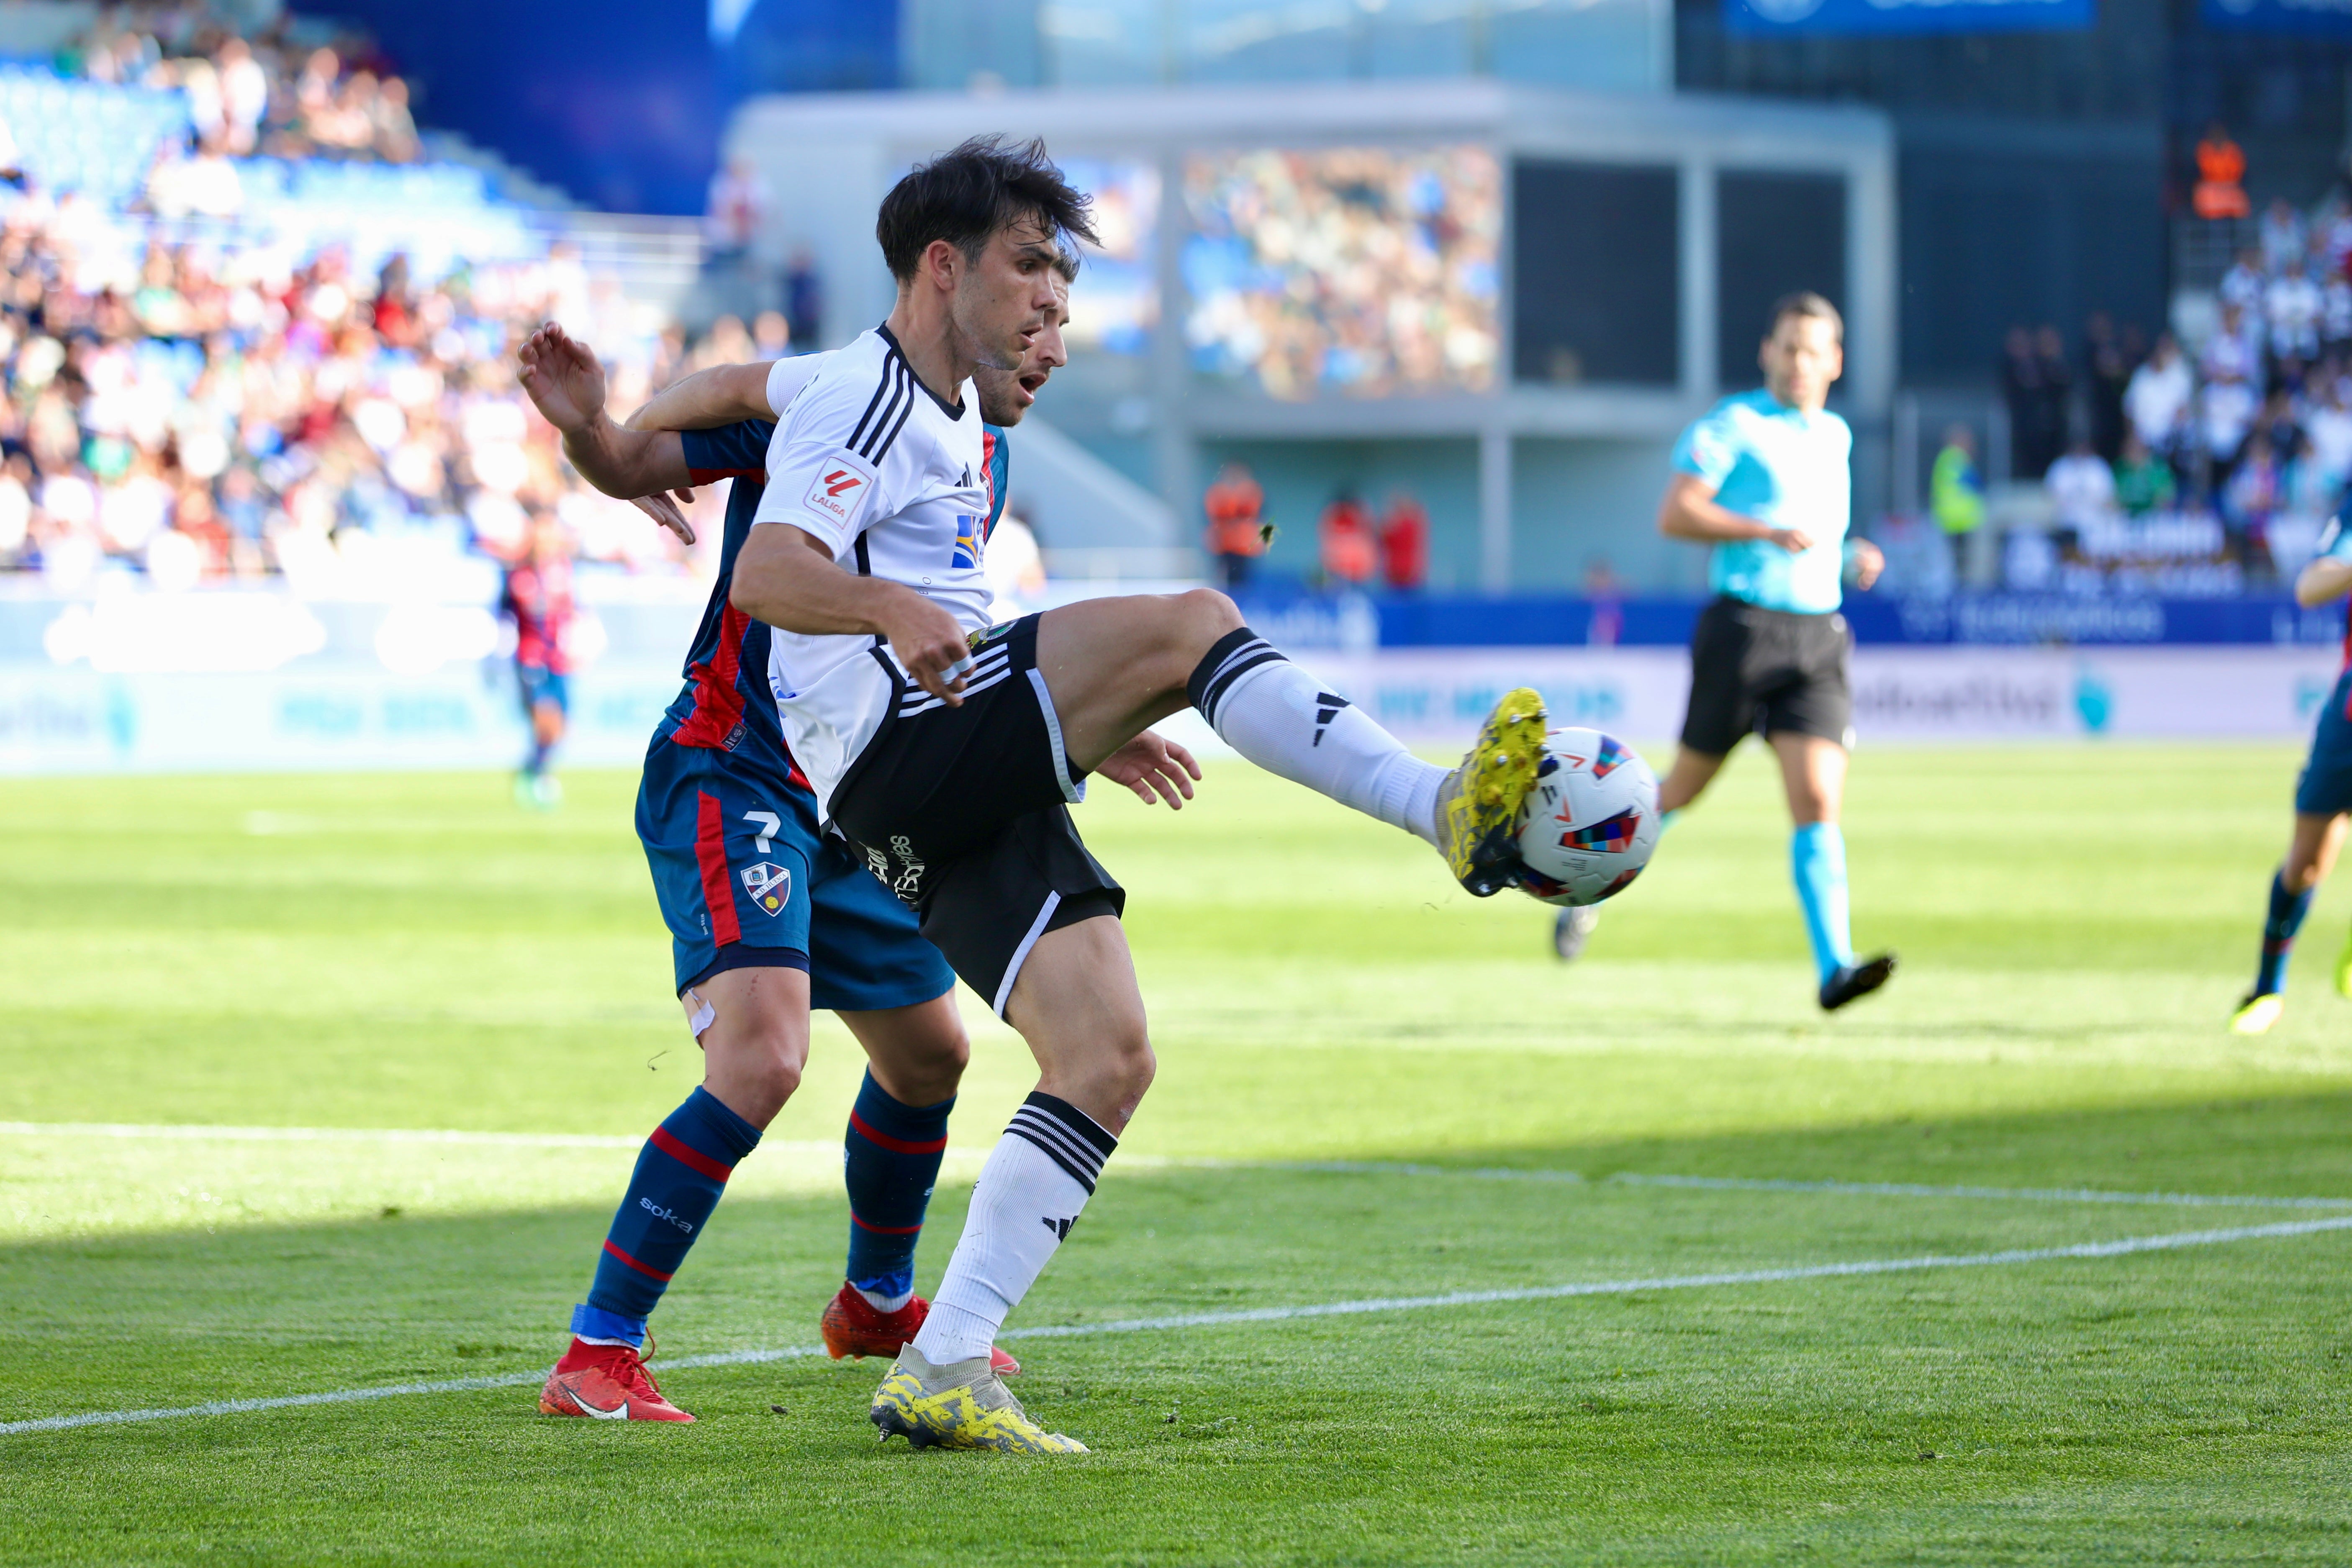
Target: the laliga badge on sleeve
(840, 489)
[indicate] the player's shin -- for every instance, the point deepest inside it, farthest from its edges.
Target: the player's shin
(890, 1162)
(1817, 865)
(1030, 1192)
(679, 1176)
(2280, 925)
(1288, 722)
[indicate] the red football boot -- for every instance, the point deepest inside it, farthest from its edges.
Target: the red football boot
(608, 1383)
(853, 1326)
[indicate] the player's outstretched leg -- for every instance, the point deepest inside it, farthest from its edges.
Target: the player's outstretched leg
(2261, 1007)
(1289, 723)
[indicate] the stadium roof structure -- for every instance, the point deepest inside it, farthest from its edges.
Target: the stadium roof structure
(1606, 292)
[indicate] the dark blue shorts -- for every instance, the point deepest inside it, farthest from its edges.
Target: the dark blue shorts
(743, 879)
(541, 684)
(2325, 786)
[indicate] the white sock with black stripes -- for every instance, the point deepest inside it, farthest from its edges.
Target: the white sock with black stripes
(1030, 1192)
(1282, 719)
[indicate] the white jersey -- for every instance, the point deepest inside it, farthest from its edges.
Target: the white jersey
(787, 376)
(891, 480)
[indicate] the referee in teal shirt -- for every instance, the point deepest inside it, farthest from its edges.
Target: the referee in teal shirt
(1763, 478)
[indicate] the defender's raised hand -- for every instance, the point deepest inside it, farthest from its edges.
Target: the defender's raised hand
(564, 380)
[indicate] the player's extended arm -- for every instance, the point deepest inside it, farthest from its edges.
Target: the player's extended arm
(1689, 511)
(566, 384)
(2328, 578)
(707, 399)
(785, 576)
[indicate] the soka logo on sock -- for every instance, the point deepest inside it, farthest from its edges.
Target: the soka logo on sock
(667, 1218)
(1060, 1227)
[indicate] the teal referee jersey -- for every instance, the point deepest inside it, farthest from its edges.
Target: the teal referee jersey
(1783, 467)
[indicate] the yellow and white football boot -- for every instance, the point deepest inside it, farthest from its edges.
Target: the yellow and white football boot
(2344, 969)
(1478, 802)
(963, 1405)
(2257, 1012)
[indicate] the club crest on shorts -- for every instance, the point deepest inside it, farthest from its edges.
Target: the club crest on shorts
(769, 885)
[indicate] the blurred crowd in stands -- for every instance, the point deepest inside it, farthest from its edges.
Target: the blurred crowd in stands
(220, 420)
(1358, 271)
(2182, 467)
(269, 93)
(234, 401)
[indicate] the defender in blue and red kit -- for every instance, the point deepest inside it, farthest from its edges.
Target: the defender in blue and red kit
(2323, 799)
(750, 888)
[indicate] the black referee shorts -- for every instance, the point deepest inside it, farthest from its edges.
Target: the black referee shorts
(964, 813)
(1769, 670)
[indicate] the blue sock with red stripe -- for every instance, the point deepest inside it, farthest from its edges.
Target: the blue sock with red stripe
(680, 1174)
(2279, 926)
(890, 1159)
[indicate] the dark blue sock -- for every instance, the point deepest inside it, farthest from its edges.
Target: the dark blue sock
(536, 763)
(679, 1176)
(890, 1161)
(2279, 927)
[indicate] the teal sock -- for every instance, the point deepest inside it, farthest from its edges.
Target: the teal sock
(1817, 862)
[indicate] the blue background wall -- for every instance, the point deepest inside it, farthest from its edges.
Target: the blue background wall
(615, 101)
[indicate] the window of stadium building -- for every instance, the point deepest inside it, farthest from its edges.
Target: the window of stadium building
(1110, 43)
(1114, 303)
(1363, 272)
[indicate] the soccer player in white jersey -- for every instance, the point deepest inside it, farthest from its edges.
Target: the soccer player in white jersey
(947, 751)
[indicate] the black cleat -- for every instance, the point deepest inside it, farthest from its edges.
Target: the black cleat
(1856, 980)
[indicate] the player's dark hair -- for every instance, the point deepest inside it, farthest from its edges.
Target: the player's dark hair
(1066, 265)
(1805, 302)
(965, 195)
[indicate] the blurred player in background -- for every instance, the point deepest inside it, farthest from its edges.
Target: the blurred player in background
(768, 920)
(1763, 478)
(2322, 797)
(537, 596)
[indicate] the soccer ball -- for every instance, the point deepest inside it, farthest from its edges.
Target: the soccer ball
(1590, 822)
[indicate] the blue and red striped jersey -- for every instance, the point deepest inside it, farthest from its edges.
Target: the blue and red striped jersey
(726, 703)
(997, 452)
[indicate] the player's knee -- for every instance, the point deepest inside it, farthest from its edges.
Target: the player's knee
(1129, 1063)
(774, 1066)
(1207, 613)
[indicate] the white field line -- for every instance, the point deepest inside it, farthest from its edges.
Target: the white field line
(1768, 1185)
(200, 1132)
(196, 1134)
(2083, 1249)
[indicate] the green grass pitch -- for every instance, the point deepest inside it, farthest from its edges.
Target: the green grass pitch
(411, 953)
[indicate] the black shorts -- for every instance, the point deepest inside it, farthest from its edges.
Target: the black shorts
(1769, 670)
(965, 814)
